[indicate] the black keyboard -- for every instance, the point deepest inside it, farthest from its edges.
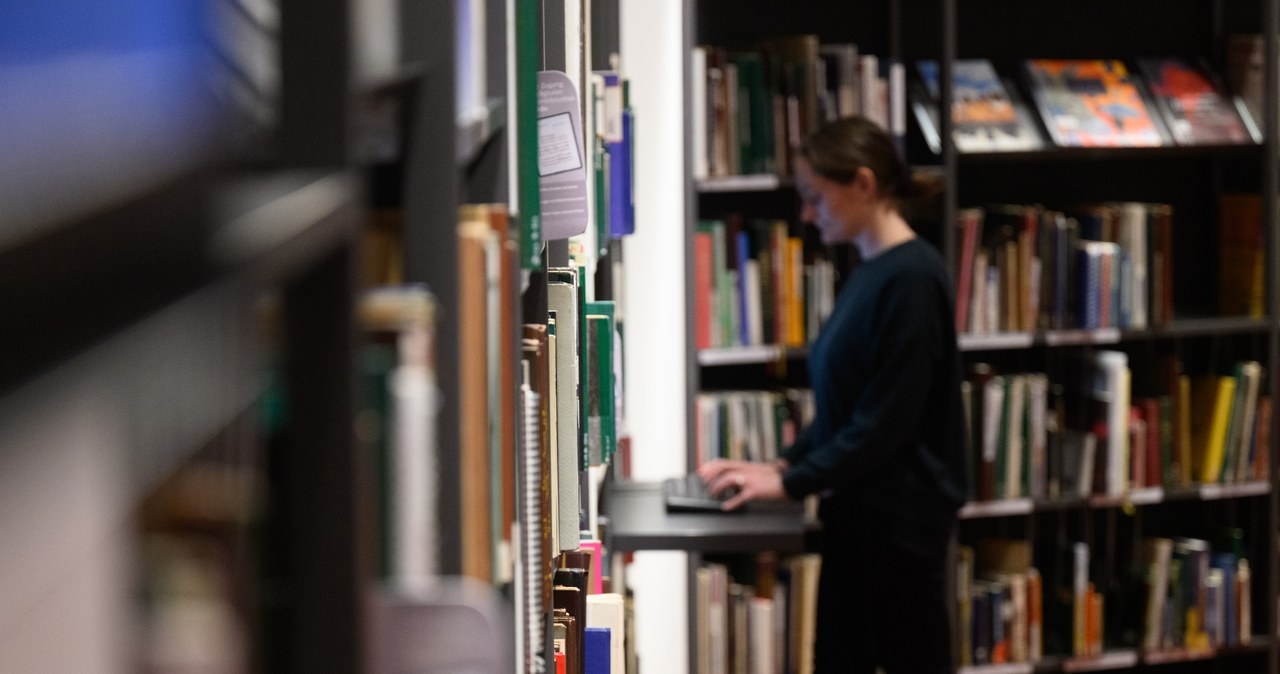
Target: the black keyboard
(689, 494)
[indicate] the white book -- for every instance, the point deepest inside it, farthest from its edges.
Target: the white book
(416, 399)
(760, 625)
(755, 325)
(767, 403)
(1080, 596)
(698, 111)
(1037, 432)
(1111, 387)
(1157, 553)
(553, 421)
(562, 298)
(1014, 445)
(1133, 239)
(992, 402)
(708, 427)
(869, 88)
(1251, 373)
(608, 610)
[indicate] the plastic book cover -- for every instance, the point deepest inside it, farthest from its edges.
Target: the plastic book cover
(986, 116)
(1194, 107)
(1092, 103)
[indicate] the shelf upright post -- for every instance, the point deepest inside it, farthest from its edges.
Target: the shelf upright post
(431, 196)
(323, 480)
(949, 164)
(1270, 185)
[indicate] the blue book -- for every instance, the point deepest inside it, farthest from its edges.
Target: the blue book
(1089, 280)
(618, 145)
(596, 652)
(1226, 562)
(743, 244)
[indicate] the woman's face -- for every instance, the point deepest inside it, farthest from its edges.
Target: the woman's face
(837, 210)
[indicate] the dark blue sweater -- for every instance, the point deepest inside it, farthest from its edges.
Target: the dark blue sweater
(886, 438)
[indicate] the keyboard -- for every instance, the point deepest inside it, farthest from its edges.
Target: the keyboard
(689, 494)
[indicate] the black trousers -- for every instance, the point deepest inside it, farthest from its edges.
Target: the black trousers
(883, 598)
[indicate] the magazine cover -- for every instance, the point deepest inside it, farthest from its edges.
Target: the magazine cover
(1194, 108)
(985, 117)
(1091, 103)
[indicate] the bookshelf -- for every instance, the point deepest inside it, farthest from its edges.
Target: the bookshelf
(195, 327)
(1190, 178)
(137, 322)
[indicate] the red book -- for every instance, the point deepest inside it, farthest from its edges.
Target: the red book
(970, 226)
(703, 287)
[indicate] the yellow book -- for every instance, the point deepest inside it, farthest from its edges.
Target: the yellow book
(1213, 440)
(1184, 430)
(795, 298)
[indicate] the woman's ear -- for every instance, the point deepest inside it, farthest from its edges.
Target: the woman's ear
(864, 181)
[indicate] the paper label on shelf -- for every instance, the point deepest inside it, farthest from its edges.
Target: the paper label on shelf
(561, 159)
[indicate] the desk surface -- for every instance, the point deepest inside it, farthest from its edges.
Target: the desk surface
(638, 520)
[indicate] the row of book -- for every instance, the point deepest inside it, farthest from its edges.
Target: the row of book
(1165, 100)
(751, 107)
(1033, 438)
(750, 425)
(756, 282)
(592, 624)
(1181, 597)
(1026, 267)
(763, 627)
(999, 604)
(541, 429)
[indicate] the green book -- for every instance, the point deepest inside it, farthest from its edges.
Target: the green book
(528, 59)
(601, 323)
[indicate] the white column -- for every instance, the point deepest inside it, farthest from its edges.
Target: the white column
(652, 57)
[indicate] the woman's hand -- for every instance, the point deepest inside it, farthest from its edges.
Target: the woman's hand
(753, 481)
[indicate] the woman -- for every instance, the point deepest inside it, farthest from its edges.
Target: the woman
(885, 447)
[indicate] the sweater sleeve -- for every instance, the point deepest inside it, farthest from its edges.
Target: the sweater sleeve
(800, 448)
(906, 354)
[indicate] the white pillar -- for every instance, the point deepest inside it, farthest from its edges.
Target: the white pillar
(652, 57)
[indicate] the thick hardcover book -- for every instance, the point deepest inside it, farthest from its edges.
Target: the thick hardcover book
(1091, 103)
(597, 652)
(1192, 102)
(475, 465)
(536, 359)
(562, 298)
(985, 115)
(1241, 256)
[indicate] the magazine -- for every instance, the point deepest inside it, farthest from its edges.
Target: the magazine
(1193, 106)
(985, 116)
(1092, 103)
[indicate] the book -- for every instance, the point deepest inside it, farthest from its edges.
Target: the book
(1212, 397)
(1241, 256)
(535, 354)
(562, 301)
(986, 115)
(1091, 103)
(475, 465)
(1192, 102)
(760, 625)
(398, 366)
(608, 610)
(597, 654)
(528, 58)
